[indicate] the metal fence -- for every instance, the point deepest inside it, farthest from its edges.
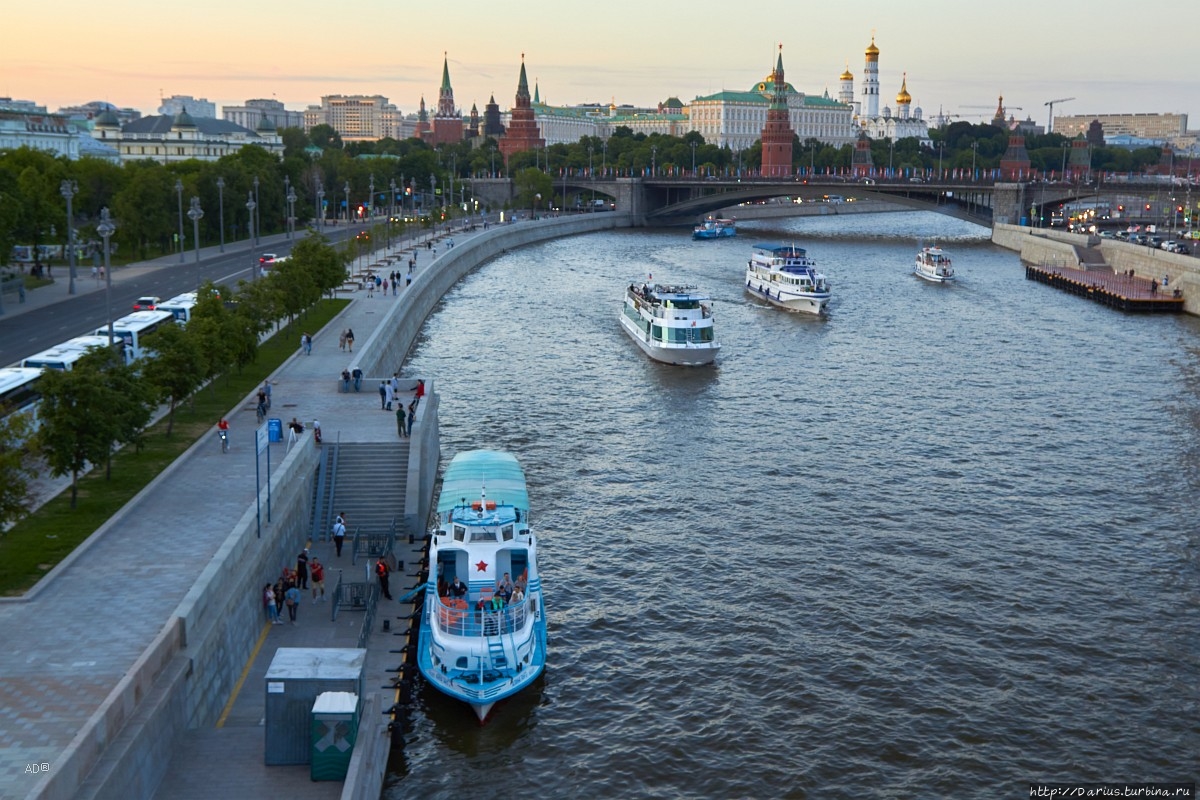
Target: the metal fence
(373, 545)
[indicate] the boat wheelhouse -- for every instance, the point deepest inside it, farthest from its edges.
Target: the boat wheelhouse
(715, 228)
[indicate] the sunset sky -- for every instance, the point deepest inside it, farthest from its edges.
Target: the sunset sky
(1107, 55)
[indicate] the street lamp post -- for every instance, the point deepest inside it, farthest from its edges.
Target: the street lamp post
(537, 198)
(287, 190)
(974, 152)
(592, 175)
(1064, 164)
(68, 190)
(891, 156)
(291, 200)
(693, 160)
(250, 206)
(106, 228)
(179, 191)
(941, 148)
(257, 218)
(221, 209)
(433, 204)
(320, 206)
(346, 189)
(371, 200)
(195, 214)
(604, 157)
(653, 160)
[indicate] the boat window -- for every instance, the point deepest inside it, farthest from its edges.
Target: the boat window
(483, 535)
(459, 533)
(507, 533)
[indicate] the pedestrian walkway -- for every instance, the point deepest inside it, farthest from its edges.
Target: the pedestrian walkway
(71, 642)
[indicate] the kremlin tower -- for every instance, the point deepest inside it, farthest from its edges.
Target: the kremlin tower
(777, 133)
(870, 92)
(522, 133)
(422, 131)
(447, 122)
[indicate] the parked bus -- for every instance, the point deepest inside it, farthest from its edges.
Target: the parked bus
(19, 391)
(180, 306)
(134, 328)
(63, 356)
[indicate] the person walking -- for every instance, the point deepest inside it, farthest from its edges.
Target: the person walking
(350, 339)
(412, 416)
(302, 569)
(291, 598)
(269, 604)
(318, 579)
(267, 393)
(358, 376)
(383, 396)
(342, 340)
(339, 536)
(401, 415)
(382, 570)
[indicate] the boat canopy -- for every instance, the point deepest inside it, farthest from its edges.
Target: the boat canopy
(473, 471)
(782, 250)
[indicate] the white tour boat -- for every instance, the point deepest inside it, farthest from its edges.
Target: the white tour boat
(785, 276)
(933, 265)
(672, 324)
(483, 637)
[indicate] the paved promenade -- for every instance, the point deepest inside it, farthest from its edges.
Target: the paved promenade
(73, 638)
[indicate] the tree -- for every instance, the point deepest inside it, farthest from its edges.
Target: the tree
(177, 367)
(529, 183)
(324, 262)
(77, 421)
(325, 137)
(15, 469)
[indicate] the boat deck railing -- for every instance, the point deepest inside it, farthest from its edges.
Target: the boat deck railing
(460, 618)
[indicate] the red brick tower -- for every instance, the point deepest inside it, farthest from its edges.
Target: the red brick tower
(522, 133)
(447, 122)
(777, 133)
(423, 131)
(1014, 164)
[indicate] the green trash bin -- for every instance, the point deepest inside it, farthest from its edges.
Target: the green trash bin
(334, 729)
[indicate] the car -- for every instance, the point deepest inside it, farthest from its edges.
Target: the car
(1169, 244)
(147, 303)
(1153, 241)
(1107, 235)
(1181, 249)
(265, 257)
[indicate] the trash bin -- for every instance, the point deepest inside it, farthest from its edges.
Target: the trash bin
(334, 730)
(275, 429)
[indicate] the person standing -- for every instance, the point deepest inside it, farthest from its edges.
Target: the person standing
(339, 536)
(302, 569)
(391, 395)
(420, 392)
(358, 376)
(291, 598)
(383, 393)
(412, 416)
(401, 415)
(303, 342)
(345, 380)
(267, 392)
(318, 578)
(269, 604)
(382, 570)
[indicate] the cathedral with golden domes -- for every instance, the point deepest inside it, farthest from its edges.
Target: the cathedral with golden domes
(902, 123)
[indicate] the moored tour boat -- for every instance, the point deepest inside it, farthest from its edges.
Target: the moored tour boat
(672, 324)
(785, 276)
(484, 638)
(715, 228)
(933, 265)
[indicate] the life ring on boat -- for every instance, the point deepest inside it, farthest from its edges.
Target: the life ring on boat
(478, 506)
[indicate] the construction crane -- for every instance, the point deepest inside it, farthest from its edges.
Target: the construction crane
(1050, 118)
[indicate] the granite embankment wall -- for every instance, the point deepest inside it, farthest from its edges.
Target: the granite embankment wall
(1041, 246)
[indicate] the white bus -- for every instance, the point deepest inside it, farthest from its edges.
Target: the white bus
(134, 328)
(19, 391)
(180, 306)
(63, 356)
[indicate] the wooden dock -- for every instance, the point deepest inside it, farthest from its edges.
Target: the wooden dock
(1120, 291)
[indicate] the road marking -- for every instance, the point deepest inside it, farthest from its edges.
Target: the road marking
(237, 687)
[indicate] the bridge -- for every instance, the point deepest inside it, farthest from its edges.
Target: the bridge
(666, 201)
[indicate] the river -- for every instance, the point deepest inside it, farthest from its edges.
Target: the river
(941, 542)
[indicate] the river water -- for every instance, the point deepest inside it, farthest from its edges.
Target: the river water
(939, 543)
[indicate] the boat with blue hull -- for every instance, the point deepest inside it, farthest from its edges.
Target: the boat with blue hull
(715, 228)
(785, 276)
(483, 625)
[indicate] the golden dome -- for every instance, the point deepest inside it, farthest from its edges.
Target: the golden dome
(872, 51)
(847, 75)
(904, 98)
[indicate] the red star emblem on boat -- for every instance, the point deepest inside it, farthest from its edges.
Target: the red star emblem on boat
(481, 566)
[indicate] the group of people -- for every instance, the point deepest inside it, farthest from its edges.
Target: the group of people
(306, 343)
(346, 340)
(288, 591)
(355, 375)
(505, 594)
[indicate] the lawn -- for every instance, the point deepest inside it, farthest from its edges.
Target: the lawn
(40, 541)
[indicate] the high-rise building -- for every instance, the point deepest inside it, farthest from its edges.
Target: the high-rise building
(255, 111)
(1163, 127)
(522, 133)
(777, 132)
(196, 108)
(357, 117)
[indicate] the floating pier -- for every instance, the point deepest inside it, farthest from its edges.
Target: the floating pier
(1121, 291)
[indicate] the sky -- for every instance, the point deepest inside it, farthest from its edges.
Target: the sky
(960, 57)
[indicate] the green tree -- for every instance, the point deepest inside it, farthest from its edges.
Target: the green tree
(176, 368)
(325, 137)
(16, 470)
(528, 184)
(77, 421)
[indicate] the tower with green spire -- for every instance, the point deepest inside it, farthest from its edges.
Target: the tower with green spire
(448, 121)
(522, 132)
(777, 132)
